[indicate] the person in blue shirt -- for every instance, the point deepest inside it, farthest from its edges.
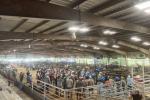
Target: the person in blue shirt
(129, 82)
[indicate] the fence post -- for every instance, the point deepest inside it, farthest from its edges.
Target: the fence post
(32, 86)
(65, 94)
(44, 91)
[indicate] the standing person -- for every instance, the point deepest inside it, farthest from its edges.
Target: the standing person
(28, 76)
(69, 86)
(9, 78)
(28, 73)
(64, 83)
(78, 85)
(30, 79)
(38, 76)
(129, 82)
(136, 95)
(82, 73)
(59, 84)
(21, 76)
(101, 88)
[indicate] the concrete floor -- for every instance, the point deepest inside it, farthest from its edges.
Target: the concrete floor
(11, 92)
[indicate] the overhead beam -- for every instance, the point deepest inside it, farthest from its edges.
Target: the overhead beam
(15, 35)
(52, 27)
(134, 47)
(104, 6)
(21, 48)
(57, 32)
(37, 9)
(92, 45)
(120, 13)
(61, 52)
(87, 50)
(18, 35)
(48, 1)
(77, 3)
(123, 8)
(36, 26)
(63, 43)
(18, 25)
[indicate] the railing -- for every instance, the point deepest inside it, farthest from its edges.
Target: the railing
(115, 91)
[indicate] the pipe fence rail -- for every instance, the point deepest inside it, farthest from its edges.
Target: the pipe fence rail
(44, 91)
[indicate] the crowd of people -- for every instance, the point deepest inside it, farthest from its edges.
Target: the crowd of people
(68, 77)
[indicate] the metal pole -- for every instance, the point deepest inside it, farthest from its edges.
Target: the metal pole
(65, 94)
(44, 91)
(143, 80)
(32, 86)
(126, 60)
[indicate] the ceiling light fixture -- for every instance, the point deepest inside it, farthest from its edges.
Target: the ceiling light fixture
(78, 29)
(27, 40)
(29, 46)
(109, 32)
(143, 5)
(146, 43)
(14, 50)
(136, 39)
(115, 46)
(96, 48)
(102, 43)
(147, 10)
(83, 45)
(74, 28)
(84, 29)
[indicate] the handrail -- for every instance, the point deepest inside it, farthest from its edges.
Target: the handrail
(86, 93)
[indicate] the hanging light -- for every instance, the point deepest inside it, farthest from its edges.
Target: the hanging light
(74, 35)
(83, 45)
(146, 43)
(109, 32)
(136, 39)
(73, 28)
(96, 48)
(29, 46)
(78, 29)
(84, 29)
(143, 5)
(102, 43)
(115, 46)
(147, 10)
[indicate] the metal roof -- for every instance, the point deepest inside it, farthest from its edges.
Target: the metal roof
(50, 31)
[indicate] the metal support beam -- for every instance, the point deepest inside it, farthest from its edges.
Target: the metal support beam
(77, 3)
(15, 35)
(37, 9)
(92, 45)
(18, 25)
(123, 8)
(52, 27)
(134, 47)
(87, 50)
(36, 26)
(18, 35)
(105, 5)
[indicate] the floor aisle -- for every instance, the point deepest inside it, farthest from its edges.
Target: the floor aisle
(11, 93)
